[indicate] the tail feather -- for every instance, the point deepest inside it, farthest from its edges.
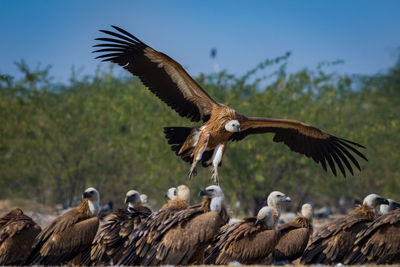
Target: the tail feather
(177, 136)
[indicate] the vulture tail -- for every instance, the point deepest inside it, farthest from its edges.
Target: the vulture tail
(177, 136)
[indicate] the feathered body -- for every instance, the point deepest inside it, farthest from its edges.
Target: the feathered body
(113, 233)
(17, 233)
(246, 242)
(143, 236)
(379, 243)
(67, 236)
(294, 237)
(333, 242)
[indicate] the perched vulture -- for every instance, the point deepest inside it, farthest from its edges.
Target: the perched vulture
(333, 242)
(246, 242)
(392, 206)
(113, 233)
(17, 233)
(294, 236)
(379, 243)
(182, 238)
(145, 232)
(70, 234)
(168, 80)
(276, 200)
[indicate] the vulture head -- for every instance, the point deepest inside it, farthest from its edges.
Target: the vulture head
(132, 198)
(183, 193)
(373, 201)
(307, 211)
(93, 197)
(276, 199)
(385, 208)
(144, 199)
(217, 197)
(171, 193)
(232, 126)
(265, 216)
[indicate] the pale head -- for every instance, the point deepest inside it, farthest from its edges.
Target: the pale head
(374, 200)
(183, 193)
(276, 199)
(132, 198)
(232, 126)
(385, 208)
(215, 192)
(307, 211)
(144, 199)
(212, 191)
(93, 197)
(265, 215)
(171, 193)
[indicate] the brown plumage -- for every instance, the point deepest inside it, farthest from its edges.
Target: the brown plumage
(143, 236)
(247, 242)
(333, 242)
(294, 236)
(108, 243)
(67, 236)
(17, 233)
(379, 243)
(182, 238)
(207, 143)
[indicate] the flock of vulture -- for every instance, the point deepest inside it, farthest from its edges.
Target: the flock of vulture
(180, 234)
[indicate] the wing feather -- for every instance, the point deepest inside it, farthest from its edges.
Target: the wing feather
(305, 139)
(161, 74)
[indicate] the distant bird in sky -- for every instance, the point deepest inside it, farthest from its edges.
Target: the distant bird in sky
(213, 53)
(207, 143)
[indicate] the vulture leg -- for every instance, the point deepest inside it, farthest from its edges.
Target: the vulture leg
(198, 153)
(216, 160)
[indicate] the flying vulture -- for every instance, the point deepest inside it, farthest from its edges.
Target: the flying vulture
(276, 200)
(294, 236)
(143, 236)
(69, 235)
(181, 239)
(334, 242)
(247, 242)
(109, 240)
(168, 80)
(17, 233)
(379, 243)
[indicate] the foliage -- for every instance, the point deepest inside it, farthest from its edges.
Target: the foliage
(106, 131)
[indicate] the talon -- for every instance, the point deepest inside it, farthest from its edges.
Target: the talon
(192, 172)
(215, 178)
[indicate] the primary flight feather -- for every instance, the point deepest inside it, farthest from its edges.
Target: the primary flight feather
(168, 80)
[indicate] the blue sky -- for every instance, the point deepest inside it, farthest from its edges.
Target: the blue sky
(365, 34)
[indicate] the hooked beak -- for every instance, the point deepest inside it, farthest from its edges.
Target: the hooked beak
(128, 199)
(86, 195)
(204, 193)
(166, 195)
(238, 128)
(257, 222)
(288, 199)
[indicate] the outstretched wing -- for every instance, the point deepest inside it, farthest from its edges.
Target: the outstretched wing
(161, 74)
(305, 139)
